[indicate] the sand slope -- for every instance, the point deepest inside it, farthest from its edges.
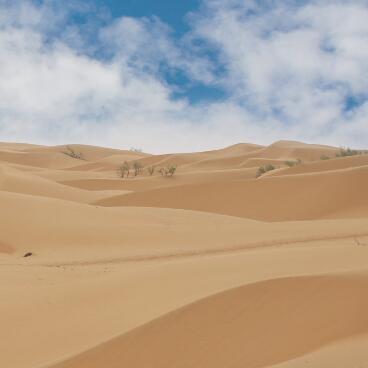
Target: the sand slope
(253, 326)
(20, 181)
(325, 165)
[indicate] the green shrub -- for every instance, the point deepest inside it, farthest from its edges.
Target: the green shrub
(324, 157)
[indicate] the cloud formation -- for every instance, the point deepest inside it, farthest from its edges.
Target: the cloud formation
(300, 64)
(289, 70)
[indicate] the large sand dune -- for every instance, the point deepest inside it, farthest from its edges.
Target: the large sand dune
(211, 267)
(256, 325)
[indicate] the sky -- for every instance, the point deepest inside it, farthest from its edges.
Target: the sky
(170, 76)
(171, 12)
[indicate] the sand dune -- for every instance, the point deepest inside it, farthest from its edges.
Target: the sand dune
(211, 267)
(13, 146)
(325, 165)
(105, 233)
(88, 304)
(148, 182)
(297, 150)
(109, 163)
(276, 153)
(88, 152)
(202, 159)
(16, 181)
(74, 229)
(37, 159)
(350, 352)
(267, 328)
(333, 194)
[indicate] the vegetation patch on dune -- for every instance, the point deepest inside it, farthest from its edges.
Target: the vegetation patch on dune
(124, 170)
(73, 154)
(346, 152)
(263, 169)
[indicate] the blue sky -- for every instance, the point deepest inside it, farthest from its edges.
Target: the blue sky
(184, 75)
(171, 12)
(176, 14)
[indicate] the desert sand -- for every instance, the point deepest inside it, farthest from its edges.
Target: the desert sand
(214, 266)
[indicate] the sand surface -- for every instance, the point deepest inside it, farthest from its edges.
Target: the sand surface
(211, 267)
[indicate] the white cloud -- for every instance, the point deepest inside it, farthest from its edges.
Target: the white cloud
(297, 63)
(288, 70)
(51, 92)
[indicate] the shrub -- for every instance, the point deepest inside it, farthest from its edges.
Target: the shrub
(263, 169)
(137, 166)
(345, 152)
(168, 170)
(292, 163)
(171, 170)
(324, 157)
(124, 170)
(71, 153)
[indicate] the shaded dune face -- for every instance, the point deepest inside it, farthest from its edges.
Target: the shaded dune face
(252, 326)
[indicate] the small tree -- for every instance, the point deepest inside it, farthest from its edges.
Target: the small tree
(124, 170)
(171, 170)
(168, 170)
(137, 166)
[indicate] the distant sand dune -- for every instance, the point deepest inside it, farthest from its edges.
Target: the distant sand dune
(17, 181)
(326, 165)
(333, 194)
(148, 182)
